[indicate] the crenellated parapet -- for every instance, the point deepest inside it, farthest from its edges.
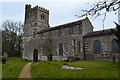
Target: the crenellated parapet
(41, 9)
(36, 19)
(28, 7)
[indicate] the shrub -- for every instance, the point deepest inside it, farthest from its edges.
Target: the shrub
(3, 60)
(77, 59)
(50, 57)
(26, 60)
(72, 59)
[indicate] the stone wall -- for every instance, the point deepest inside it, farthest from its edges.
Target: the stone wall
(106, 52)
(70, 35)
(65, 38)
(87, 26)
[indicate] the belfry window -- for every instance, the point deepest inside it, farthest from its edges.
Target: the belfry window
(115, 46)
(96, 46)
(42, 16)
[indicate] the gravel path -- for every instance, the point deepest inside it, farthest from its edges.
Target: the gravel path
(25, 73)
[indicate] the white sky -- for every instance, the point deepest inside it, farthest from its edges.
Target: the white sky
(61, 11)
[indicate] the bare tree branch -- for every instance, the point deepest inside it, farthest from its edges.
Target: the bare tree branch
(104, 5)
(101, 8)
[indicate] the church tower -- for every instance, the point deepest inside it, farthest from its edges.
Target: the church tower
(36, 19)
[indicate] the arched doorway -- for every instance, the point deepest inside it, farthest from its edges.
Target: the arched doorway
(35, 55)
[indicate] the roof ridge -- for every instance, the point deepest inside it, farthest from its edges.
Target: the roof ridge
(62, 26)
(71, 22)
(100, 32)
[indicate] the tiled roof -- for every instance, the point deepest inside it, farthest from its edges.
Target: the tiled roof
(101, 32)
(62, 26)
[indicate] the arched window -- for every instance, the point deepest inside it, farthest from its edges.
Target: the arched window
(42, 16)
(115, 47)
(96, 46)
(61, 49)
(78, 46)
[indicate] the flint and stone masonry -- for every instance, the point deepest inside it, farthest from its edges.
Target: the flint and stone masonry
(76, 39)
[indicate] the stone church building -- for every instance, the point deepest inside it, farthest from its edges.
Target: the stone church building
(76, 39)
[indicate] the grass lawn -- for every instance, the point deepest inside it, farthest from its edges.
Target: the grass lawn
(12, 67)
(91, 69)
(0, 70)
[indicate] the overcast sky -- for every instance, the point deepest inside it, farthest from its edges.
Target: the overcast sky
(61, 11)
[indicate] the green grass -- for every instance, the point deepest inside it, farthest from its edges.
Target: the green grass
(0, 70)
(12, 67)
(91, 69)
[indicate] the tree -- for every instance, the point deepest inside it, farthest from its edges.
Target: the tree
(11, 37)
(102, 7)
(117, 33)
(47, 47)
(7, 46)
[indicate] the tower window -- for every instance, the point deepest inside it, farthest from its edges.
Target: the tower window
(42, 16)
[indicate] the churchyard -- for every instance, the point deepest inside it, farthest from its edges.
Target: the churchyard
(90, 69)
(12, 67)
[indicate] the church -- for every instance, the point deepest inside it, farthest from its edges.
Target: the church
(74, 39)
